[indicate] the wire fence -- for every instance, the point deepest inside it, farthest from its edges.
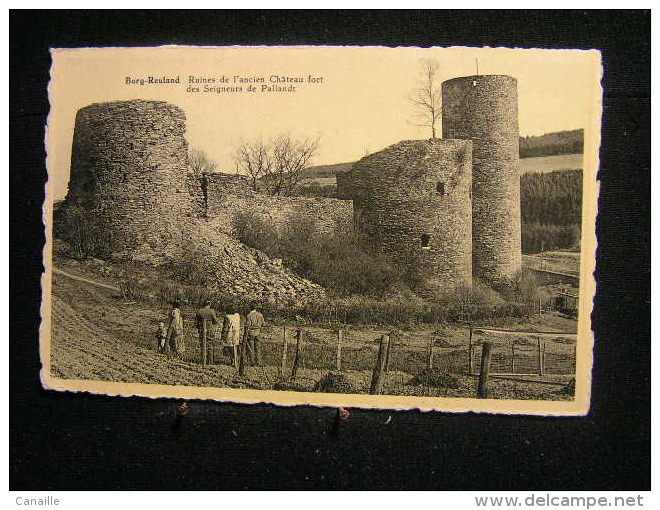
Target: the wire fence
(521, 353)
(343, 349)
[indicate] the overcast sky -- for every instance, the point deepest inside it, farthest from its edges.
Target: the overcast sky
(359, 106)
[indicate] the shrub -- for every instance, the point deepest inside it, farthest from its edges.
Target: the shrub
(337, 261)
(528, 288)
(298, 244)
(340, 264)
(83, 230)
(192, 266)
(255, 231)
(131, 287)
(435, 377)
(335, 383)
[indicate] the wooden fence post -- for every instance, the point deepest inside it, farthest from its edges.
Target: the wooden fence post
(543, 359)
(284, 353)
(430, 354)
(296, 359)
(470, 369)
(204, 330)
(482, 389)
(513, 356)
(340, 334)
(540, 356)
(243, 348)
(387, 353)
(377, 376)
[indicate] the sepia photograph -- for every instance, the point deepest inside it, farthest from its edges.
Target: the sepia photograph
(399, 228)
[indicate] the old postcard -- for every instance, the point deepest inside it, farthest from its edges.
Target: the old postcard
(343, 226)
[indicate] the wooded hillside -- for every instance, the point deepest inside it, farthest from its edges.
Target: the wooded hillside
(551, 144)
(554, 198)
(551, 210)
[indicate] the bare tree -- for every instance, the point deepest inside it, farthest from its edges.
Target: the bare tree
(426, 96)
(254, 159)
(290, 158)
(278, 165)
(200, 163)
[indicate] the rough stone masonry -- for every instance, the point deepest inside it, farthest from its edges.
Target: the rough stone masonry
(228, 196)
(412, 200)
(484, 109)
(130, 169)
(129, 164)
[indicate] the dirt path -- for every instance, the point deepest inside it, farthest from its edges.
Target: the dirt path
(86, 280)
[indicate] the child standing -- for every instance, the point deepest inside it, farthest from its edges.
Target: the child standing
(161, 335)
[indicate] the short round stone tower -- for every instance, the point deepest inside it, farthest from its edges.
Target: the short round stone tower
(129, 167)
(484, 109)
(412, 201)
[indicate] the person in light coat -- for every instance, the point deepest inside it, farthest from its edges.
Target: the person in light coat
(175, 342)
(231, 336)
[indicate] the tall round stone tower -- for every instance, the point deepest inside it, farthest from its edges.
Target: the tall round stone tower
(412, 201)
(129, 168)
(484, 109)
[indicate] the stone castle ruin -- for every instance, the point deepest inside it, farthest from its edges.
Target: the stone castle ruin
(412, 200)
(129, 169)
(484, 109)
(450, 207)
(129, 164)
(453, 204)
(228, 195)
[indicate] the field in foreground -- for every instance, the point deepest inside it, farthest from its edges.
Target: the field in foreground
(99, 336)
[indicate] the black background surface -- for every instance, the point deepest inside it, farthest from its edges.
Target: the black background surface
(78, 441)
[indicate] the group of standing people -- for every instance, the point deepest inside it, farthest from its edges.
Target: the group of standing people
(207, 322)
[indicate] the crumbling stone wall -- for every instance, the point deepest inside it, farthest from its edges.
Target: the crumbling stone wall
(130, 167)
(412, 200)
(228, 195)
(327, 214)
(219, 187)
(484, 109)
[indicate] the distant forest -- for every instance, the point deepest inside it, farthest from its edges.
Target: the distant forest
(551, 198)
(550, 144)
